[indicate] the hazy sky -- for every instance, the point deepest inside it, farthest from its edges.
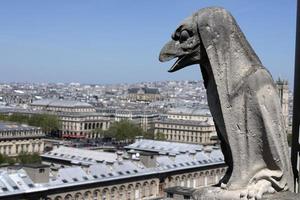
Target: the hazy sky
(115, 41)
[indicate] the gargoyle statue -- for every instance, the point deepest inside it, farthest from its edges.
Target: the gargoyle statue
(243, 101)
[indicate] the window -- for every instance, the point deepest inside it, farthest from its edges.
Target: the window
(15, 187)
(170, 195)
(42, 170)
(186, 197)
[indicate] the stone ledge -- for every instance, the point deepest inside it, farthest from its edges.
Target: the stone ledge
(283, 196)
(211, 193)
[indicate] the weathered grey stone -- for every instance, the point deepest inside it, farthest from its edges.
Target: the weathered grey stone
(219, 194)
(243, 101)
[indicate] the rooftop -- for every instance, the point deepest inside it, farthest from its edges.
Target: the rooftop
(60, 103)
(143, 90)
(164, 146)
(9, 126)
(83, 156)
(202, 110)
(188, 156)
(184, 122)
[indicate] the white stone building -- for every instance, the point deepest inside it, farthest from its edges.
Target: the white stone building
(78, 119)
(17, 138)
(191, 125)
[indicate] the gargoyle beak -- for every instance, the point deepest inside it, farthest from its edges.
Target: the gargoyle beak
(170, 51)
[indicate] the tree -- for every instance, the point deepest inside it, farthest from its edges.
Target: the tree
(48, 123)
(124, 130)
(4, 159)
(26, 158)
(100, 132)
(148, 135)
(3, 117)
(19, 118)
(160, 136)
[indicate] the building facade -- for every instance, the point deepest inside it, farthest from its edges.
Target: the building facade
(144, 94)
(78, 119)
(83, 125)
(187, 125)
(143, 118)
(17, 138)
(186, 131)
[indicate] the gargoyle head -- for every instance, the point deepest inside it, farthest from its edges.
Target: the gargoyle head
(185, 45)
(212, 38)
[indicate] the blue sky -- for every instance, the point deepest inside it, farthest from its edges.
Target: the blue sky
(116, 41)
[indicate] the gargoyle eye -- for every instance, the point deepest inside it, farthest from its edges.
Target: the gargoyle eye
(184, 35)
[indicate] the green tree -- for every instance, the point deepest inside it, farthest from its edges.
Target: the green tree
(48, 123)
(3, 117)
(19, 118)
(9, 160)
(26, 158)
(148, 135)
(4, 159)
(160, 136)
(100, 132)
(124, 130)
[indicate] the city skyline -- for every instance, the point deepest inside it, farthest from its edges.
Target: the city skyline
(109, 42)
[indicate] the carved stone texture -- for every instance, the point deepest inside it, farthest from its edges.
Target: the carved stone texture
(219, 194)
(242, 98)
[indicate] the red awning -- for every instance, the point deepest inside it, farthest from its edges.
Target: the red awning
(73, 136)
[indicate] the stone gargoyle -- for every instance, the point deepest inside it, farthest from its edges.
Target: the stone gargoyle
(243, 101)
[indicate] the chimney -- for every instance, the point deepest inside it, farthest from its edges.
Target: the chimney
(172, 156)
(119, 156)
(38, 173)
(148, 159)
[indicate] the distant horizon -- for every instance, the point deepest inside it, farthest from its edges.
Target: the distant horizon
(117, 83)
(128, 83)
(115, 42)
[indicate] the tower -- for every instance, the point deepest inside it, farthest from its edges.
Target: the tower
(283, 91)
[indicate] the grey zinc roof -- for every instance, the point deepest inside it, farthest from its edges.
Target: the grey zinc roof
(202, 110)
(184, 122)
(127, 168)
(122, 168)
(60, 103)
(146, 90)
(9, 126)
(164, 146)
(17, 182)
(71, 175)
(115, 171)
(80, 155)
